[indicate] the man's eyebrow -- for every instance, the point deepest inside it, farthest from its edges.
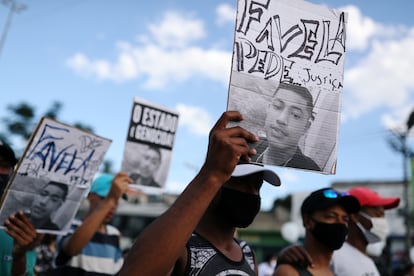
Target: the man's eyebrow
(299, 108)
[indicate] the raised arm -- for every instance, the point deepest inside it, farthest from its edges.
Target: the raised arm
(294, 255)
(159, 246)
(93, 221)
(24, 237)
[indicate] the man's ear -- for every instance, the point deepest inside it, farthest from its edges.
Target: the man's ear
(306, 221)
(364, 221)
(310, 120)
(353, 218)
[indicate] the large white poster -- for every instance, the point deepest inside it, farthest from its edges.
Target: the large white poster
(287, 80)
(53, 175)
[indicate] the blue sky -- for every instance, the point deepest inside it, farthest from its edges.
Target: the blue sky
(96, 56)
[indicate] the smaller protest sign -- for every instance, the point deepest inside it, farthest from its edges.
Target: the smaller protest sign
(53, 175)
(148, 149)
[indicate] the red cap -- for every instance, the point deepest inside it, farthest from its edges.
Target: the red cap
(368, 197)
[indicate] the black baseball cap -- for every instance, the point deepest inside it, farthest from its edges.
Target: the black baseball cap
(7, 154)
(327, 197)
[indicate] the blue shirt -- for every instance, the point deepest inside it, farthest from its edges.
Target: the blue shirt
(6, 249)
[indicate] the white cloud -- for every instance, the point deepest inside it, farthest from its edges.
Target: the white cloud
(175, 187)
(197, 120)
(289, 176)
(382, 78)
(165, 56)
(177, 31)
(225, 14)
(361, 30)
(396, 119)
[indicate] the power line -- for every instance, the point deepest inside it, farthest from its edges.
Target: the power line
(14, 8)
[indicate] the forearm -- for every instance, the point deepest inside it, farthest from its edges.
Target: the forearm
(159, 246)
(90, 225)
(18, 264)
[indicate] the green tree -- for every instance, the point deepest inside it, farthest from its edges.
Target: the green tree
(23, 118)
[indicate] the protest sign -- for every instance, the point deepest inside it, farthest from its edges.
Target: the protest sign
(287, 80)
(148, 149)
(53, 175)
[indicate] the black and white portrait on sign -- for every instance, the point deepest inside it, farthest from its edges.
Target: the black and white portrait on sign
(148, 149)
(287, 80)
(48, 204)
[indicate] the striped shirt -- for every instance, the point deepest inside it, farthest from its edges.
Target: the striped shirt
(101, 255)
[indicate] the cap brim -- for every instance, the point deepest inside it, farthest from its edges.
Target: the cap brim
(389, 203)
(246, 169)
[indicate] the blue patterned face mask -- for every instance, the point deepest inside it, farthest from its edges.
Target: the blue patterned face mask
(239, 208)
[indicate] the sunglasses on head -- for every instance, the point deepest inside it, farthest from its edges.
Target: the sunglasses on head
(334, 194)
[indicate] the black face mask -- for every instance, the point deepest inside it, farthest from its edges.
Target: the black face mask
(239, 208)
(4, 179)
(332, 235)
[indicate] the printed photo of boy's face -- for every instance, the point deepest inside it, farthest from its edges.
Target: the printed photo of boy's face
(287, 119)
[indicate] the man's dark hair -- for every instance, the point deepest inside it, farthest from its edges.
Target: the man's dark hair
(7, 154)
(60, 185)
(156, 149)
(301, 91)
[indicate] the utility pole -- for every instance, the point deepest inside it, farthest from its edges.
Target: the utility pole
(399, 144)
(14, 7)
(407, 154)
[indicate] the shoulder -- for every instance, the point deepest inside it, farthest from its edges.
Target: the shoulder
(285, 269)
(112, 230)
(155, 184)
(302, 161)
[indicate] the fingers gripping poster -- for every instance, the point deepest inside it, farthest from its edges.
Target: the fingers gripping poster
(148, 149)
(53, 175)
(287, 80)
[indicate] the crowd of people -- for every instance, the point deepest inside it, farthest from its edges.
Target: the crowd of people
(197, 235)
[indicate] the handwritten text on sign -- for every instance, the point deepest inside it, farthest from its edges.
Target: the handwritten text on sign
(285, 47)
(70, 154)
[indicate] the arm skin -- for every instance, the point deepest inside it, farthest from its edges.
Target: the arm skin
(24, 237)
(159, 246)
(294, 255)
(285, 269)
(84, 233)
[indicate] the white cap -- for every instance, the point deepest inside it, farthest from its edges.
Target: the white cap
(249, 168)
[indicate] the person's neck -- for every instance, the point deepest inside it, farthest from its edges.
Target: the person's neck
(221, 238)
(211, 225)
(39, 222)
(356, 239)
(321, 255)
(145, 181)
(102, 228)
(281, 155)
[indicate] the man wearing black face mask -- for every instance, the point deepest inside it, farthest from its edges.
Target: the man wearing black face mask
(325, 216)
(367, 228)
(17, 241)
(195, 236)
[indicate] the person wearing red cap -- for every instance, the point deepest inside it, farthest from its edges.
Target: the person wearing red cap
(368, 227)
